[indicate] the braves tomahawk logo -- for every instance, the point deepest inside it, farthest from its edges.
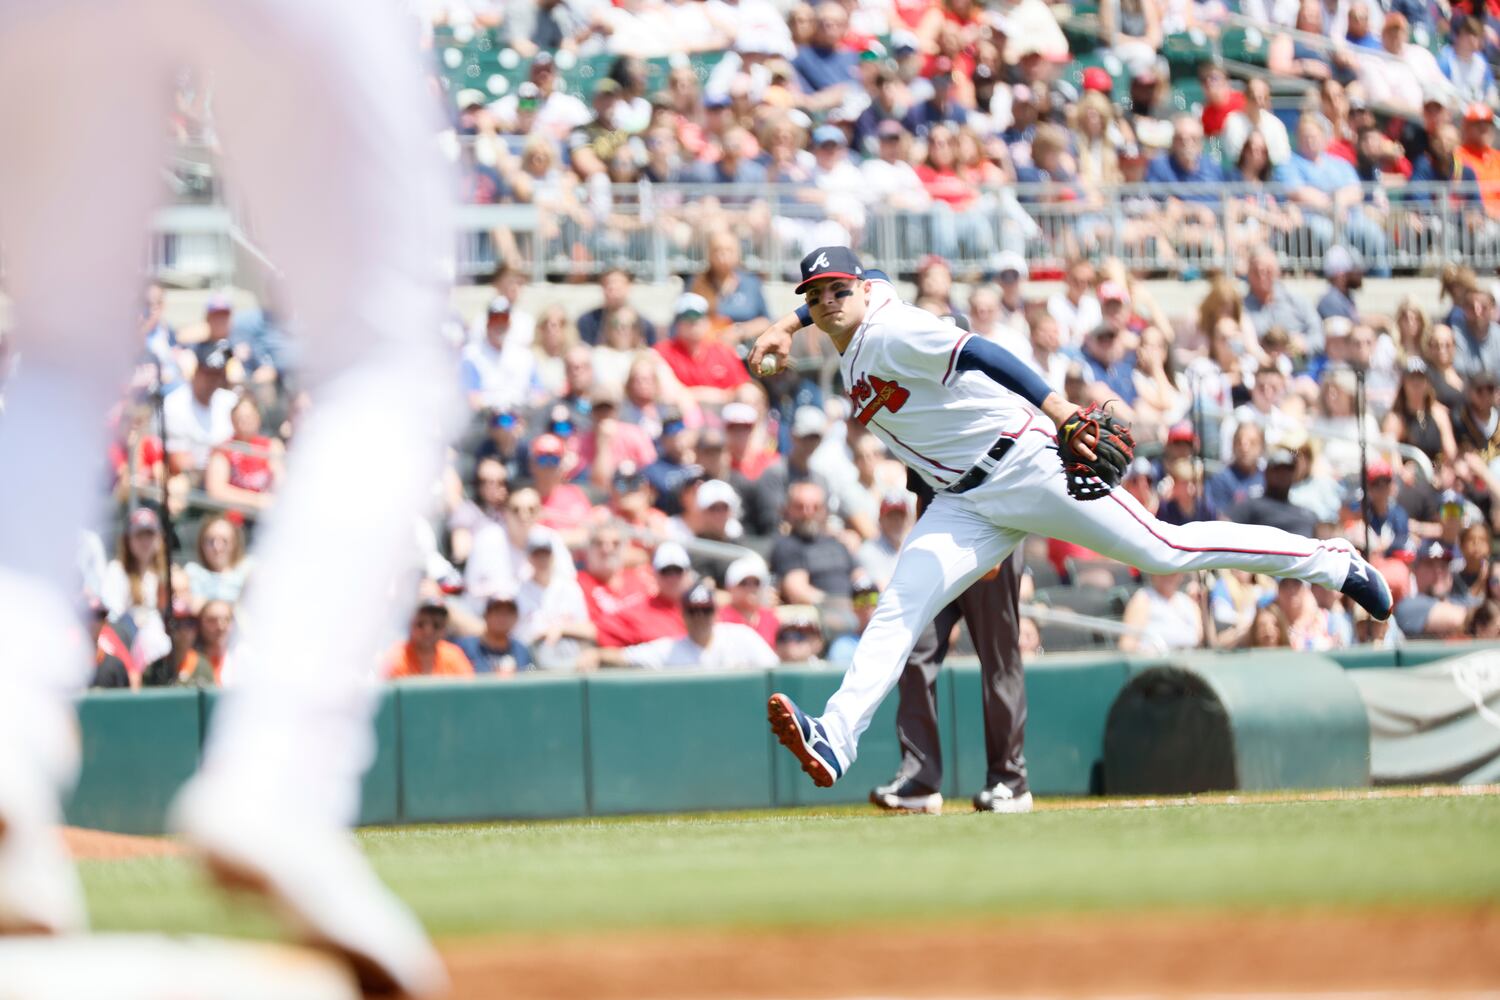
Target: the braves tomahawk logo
(871, 394)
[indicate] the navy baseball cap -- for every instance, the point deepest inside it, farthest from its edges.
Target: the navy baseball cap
(829, 262)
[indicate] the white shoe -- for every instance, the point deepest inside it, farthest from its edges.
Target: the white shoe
(322, 881)
(1001, 799)
(39, 890)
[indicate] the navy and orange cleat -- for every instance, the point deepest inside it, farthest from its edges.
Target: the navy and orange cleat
(806, 738)
(1368, 588)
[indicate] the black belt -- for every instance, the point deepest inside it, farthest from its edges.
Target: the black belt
(982, 468)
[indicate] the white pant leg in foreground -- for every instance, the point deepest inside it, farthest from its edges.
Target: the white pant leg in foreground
(83, 118)
(327, 120)
(329, 129)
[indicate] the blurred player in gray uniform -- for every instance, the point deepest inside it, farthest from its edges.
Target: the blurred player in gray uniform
(328, 126)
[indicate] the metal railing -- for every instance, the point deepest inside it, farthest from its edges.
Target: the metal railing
(1179, 230)
(657, 231)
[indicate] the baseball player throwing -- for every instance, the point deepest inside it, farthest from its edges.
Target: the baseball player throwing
(1006, 457)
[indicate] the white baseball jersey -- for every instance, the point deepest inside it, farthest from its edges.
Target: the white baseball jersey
(901, 369)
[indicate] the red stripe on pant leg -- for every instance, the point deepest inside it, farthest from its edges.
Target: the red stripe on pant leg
(1209, 548)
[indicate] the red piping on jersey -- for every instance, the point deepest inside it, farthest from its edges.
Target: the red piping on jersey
(953, 356)
(1211, 548)
(917, 453)
(1023, 430)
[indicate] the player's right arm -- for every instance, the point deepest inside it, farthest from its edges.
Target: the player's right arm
(777, 338)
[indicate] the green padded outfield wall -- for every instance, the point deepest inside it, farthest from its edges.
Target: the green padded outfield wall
(139, 748)
(1068, 697)
(672, 742)
(553, 746)
(1256, 720)
(492, 749)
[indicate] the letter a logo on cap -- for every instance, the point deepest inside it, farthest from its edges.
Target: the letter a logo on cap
(821, 262)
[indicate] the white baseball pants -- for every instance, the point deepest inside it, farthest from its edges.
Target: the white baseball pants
(961, 537)
(328, 125)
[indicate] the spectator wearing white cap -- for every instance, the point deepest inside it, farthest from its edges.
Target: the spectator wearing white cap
(709, 370)
(705, 643)
(660, 614)
(716, 520)
(497, 374)
(877, 557)
(1010, 273)
(888, 178)
(1346, 274)
(553, 617)
(985, 321)
(745, 580)
(196, 413)
(839, 180)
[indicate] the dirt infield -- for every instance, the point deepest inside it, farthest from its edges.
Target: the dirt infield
(96, 845)
(1419, 953)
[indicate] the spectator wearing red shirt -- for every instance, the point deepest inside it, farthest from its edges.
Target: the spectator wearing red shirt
(746, 581)
(660, 617)
(630, 503)
(611, 442)
(565, 507)
(709, 370)
(246, 469)
(749, 455)
(1220, 100)
(624, 603)
(611, 593)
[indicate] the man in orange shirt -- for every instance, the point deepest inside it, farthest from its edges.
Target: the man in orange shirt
(425, 653)
(1479, 153)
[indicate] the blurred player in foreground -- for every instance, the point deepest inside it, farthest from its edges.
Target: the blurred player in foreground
(328, 127)
(1006, 457)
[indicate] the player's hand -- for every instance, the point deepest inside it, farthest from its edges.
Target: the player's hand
(772, 341)
(1060, 411)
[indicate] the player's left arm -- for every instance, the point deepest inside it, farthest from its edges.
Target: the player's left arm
(980, 355)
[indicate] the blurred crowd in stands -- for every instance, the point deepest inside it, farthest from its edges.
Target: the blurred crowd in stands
(628, 495)
(970, 128)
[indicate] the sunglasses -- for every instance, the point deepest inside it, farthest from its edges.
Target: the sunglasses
(672, 570)
(793, 634)
(700, 611)
(548, 461)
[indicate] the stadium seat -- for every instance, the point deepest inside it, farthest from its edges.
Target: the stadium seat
(1244, 45)
(1096, 602)
(1185, 52)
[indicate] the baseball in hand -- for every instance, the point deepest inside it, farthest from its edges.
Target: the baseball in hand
(770, 364)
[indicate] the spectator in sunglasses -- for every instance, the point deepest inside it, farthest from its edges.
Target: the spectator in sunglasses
(706, 641)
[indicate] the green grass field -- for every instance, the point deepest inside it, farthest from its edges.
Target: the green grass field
(851, 866)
